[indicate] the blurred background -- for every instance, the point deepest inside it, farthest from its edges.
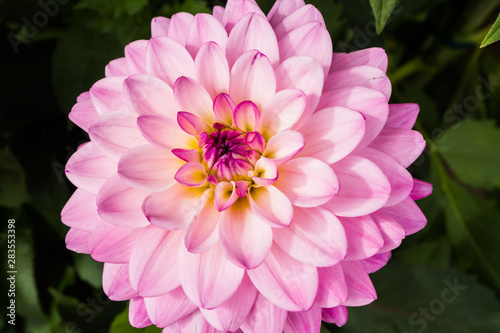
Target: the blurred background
(446, 278)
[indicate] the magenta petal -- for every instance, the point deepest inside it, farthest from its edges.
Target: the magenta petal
(191, 124)
(392, 232)
(337, 315)
(246, 116)
(256, 141)
(286, 282)
(168, 60)
(149, 168)
(168, 308)
(376, 262)
(244, 238)
(315, 237)
(191, 174)
(178, 28)
(159, 26)
(208, 279)
(332, 288)
(408, 215)
(212, 69)
(193, 98)
(225, 195)
(402, 115)
(363, 237)
(116, 283)
(135, 55)
(374, 57)
(224, 108)
(153, 263)
(252, 32)
(359, 286)
(363, 187)
(137, 313)
(78, 240)
(120, 204)
(115, 133)
(88, 168)
(81, 211)
(111, 243)
(420, 189)
(231, 314)
(264, 317)
(307, 182)
(304, 321)
(401, 144)
(205, 28)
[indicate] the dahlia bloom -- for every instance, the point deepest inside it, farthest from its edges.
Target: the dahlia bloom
(240, 176)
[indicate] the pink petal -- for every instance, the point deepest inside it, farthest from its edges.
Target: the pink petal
(164, 131)
(282, 111)
(306, 74)
(159, 26)
(168, 308)
(332, 133)
(359, 286)
(402, 115)
(191, 174)
(135, 55)
(153, 263)
(332, 288)
(187, 155)
(265, 172)
(286, 282)
(149, 168)
(205, 28)
(408, 215)
(208, 279)
(81, 211)
(192, 97)
(168, 60)
(88, 168)
(191, 124)
(337, 315)
(283, 8)
(315, 237)
(232, 313)
(120, 204)
(225, 195)
(374, 57)
(150, 95)
(224, 108)
(137, 313)
(107, 95)
(363, 237)
(252, 32)
(302, 15)
(244, 238)
(203, 231)
(173, 208)
(284, 146)
(77, 240)
(218, 12)
(401, 144)
(115, 133)
(116, 283)
(111, 243)
(376, 262)
(310, 39)
(252, 79)
(271, 206)
(246, 116)
(363, 187)
(83, 113)
(116, 67)
(400, 179)
(392, 232)
(307, 182)
(371, 103)
(304, 321)
(256, 141)
(264, 317)
(178, 28)
(420, 189)
(212, 69)
(195, 322)
(363, 76)
(235, 10)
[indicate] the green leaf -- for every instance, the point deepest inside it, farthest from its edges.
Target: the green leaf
(89, 270)
(382, 9)
(122, 325)
(422, 298)
(493, 35)
(472, 151)
(12, 184)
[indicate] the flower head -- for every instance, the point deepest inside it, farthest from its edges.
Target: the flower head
(240, 176)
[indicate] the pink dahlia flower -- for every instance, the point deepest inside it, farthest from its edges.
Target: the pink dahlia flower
(241, 177)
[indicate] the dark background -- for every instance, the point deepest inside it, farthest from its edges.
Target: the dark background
(445, 278)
